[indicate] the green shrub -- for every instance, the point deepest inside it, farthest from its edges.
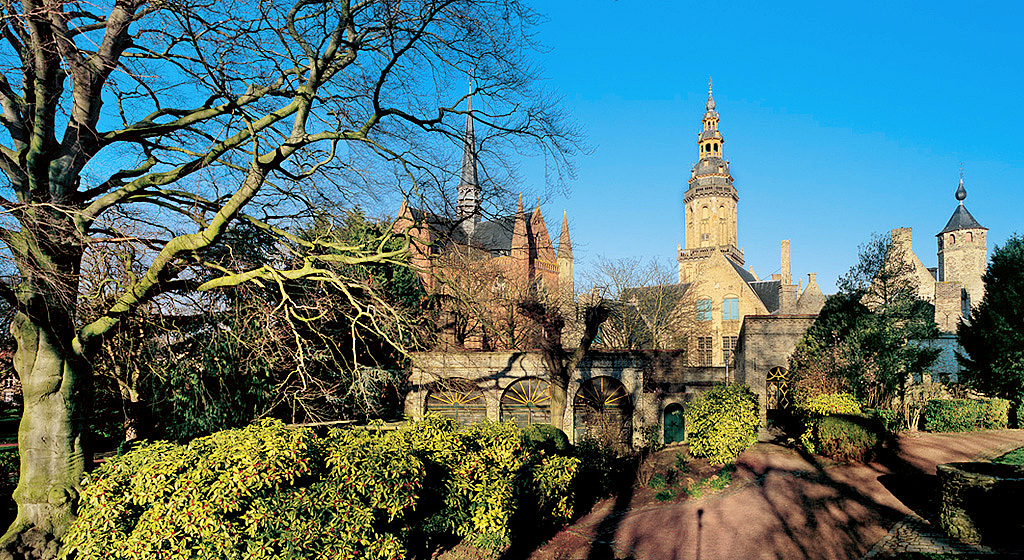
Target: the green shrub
(1018, 414)
(846, 437)
(827, 404)
(995, 414)
(267, 491)
(965, 415)
(547, 438)
(723, 422)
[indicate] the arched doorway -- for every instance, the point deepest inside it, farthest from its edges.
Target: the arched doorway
(778, 399)
(675, 424)
(603, 410)
(527, 401)
(457, 398)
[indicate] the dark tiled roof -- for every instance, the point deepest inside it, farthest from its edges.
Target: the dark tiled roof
(768, 292)
(491, 235)
(495, 235)
(745, 274)
(961, 219)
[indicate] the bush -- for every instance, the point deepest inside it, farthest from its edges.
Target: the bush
(846, 437)
(886, 418)
(267, 491)
(547, 438)
(723, 422)
(1018, 413)
(827, 404)
(965, 415)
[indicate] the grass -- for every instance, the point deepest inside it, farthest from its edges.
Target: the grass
(1015, 457)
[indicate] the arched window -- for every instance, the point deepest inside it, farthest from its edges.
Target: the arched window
(969, 237)
(527, 401)
(952, 239)
(716, 148)
(603, 410)
(457, 398)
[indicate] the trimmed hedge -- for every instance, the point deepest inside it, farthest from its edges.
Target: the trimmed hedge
(723, 421)
(966, 415)
(267, 491)
(846, 437)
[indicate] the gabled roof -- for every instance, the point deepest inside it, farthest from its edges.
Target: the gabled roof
(491, 235)
(961, 219)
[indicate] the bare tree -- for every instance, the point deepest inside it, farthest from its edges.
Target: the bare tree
(648, 309)
(197, 115)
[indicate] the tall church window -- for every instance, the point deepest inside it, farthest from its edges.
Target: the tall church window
(703, 309)
(731, 309)
(728, 347)
(704, 351)
(968, 237)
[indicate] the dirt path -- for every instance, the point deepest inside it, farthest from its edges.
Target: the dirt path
(782, 505)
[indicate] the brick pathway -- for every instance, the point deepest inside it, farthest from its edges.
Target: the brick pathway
(785, 506)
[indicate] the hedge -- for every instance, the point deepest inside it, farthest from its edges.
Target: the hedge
(267, 491)
(845, 437)
(965, 415)
(723, 422)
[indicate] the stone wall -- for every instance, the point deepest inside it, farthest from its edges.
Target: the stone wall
(653, 380)
(767, 341)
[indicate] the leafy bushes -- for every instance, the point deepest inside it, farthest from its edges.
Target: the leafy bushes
(965, 415)
(846, 437)
(723, 422)
(827, 404)
(267, 491)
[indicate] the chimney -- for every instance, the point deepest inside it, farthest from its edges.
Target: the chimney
(787, 277)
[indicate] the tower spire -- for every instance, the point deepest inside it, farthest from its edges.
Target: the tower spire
(467, 208)
(710, 105)
(961, 192)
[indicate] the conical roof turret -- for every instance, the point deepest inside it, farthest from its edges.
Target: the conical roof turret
(961, 218)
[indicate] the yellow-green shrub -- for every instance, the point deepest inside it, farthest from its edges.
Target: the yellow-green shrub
(829, 404)
(267, 491)
(845, 437)
(965, 415)
(722, 421)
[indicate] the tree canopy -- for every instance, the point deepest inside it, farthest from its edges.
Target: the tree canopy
(149, 130)
(864, 340)
(993, 338)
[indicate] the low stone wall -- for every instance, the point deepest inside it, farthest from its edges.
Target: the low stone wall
(981, 502)
(654, 380)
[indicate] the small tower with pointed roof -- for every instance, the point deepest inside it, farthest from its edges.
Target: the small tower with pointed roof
(963, 250)
(710, 200)
(467, 209)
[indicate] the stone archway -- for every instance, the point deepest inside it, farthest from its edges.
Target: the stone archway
(527, 401)
(603, 410)
(457, 398)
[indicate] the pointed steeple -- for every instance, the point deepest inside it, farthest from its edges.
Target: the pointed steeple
(564, 244)
(710, 105)
(961, 218)
(520, 250)
(468, 206)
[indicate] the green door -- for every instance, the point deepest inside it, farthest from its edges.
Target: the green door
(674, 425)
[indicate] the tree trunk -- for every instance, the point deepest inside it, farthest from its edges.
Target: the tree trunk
(49, 439)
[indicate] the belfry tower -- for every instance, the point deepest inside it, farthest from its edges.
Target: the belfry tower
(963, 251)
(710, 200)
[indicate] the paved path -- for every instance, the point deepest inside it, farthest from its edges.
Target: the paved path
(786, 506)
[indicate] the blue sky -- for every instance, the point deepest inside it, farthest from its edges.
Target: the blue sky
(840, 119)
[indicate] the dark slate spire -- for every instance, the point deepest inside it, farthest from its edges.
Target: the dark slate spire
(468, 206)
(710, 105)
(961, 218)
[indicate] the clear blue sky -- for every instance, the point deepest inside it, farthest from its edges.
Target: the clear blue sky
(840, 119)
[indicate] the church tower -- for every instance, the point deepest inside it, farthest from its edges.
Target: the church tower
(467, 209)
(709, 204)
(963, 252)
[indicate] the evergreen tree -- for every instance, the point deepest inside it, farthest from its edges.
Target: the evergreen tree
(993, 339)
